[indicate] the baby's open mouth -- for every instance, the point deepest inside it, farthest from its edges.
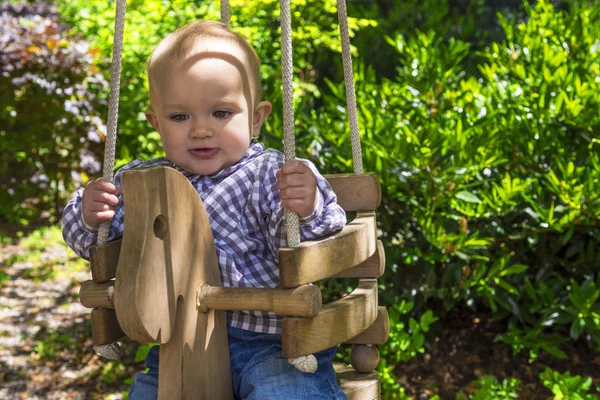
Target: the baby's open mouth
(204, 152)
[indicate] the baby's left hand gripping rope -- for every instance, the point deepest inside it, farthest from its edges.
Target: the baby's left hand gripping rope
(112, 351)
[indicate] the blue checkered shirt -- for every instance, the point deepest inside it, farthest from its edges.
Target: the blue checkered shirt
(246, 218)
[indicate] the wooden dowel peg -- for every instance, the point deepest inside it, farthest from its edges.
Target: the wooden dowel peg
(97, 295)
(364, 358)
(302, 301)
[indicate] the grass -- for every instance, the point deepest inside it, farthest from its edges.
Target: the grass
(40, 263)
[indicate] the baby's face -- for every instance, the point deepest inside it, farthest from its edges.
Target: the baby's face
(202, 109)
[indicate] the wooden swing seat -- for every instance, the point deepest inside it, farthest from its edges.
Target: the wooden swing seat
(160, 283)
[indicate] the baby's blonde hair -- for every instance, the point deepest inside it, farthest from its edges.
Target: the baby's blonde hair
(179, 44)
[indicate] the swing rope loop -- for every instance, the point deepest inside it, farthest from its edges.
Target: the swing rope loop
(289, 142)
(349, 80)
(225, 12)
(112, 351)
(113, 109)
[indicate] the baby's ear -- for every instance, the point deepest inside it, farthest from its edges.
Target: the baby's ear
(260, 115)
(151, 117)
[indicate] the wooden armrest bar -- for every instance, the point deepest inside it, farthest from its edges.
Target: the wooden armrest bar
(336, 323)
(372, 267)
(316, 260)
(104, 260)
(302, 301)
(377, 333)
(356, 192)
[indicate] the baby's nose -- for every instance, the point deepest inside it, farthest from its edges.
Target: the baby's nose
(201, 131)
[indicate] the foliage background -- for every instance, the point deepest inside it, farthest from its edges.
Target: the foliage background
(481, 119)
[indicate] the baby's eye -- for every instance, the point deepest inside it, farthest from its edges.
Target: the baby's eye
(221, 114)
(178, 117)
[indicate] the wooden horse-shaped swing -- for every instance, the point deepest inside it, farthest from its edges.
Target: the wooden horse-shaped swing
(160, 283)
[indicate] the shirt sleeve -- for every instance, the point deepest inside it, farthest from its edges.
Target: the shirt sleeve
(78, 235)
(327, 218)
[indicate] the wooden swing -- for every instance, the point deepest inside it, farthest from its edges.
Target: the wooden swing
(160, 283)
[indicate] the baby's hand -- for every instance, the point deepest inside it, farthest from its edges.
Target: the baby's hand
(297, 187)
(99, 202)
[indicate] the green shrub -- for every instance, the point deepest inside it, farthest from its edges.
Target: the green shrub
(488, 388)
(49, 128)
(490, 181)
(565, 386)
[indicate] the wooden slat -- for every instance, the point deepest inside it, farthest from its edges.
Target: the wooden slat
(97, 295)
(356, 192)
(357, 386)
(372, 267)
(105, 327)
(104, 260)
(316, 260)
(336, 323)
(377, 333)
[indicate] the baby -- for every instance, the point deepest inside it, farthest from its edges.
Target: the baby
(205, 97)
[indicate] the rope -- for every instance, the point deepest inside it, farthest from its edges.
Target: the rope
(225, 12)
(113, 109)
(289, 143)
(305, 363)
(349, 79)
(112, 351)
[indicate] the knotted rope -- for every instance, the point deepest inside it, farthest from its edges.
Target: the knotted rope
(349, 80)
(112, 351)
(289, 141)
(309, 363)
(225, 12)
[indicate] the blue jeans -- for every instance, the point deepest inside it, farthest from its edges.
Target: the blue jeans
(259, 372)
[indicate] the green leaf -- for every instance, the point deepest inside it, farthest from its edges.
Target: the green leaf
(426, 320)
(468, 197)
(413, 326)
(577, 328)
(507, 286)
(554, 351)
(514, 269)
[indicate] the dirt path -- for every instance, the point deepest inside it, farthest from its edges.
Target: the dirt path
(45, 340)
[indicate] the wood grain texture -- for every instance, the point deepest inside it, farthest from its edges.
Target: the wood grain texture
(304, 301)
(357, 386)
(356, 192)
(105, 327)
(97, 295)
(377, 333)
(104, 260)
(167, 251)
(336, 323)
(372, 267)
(316, 260)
